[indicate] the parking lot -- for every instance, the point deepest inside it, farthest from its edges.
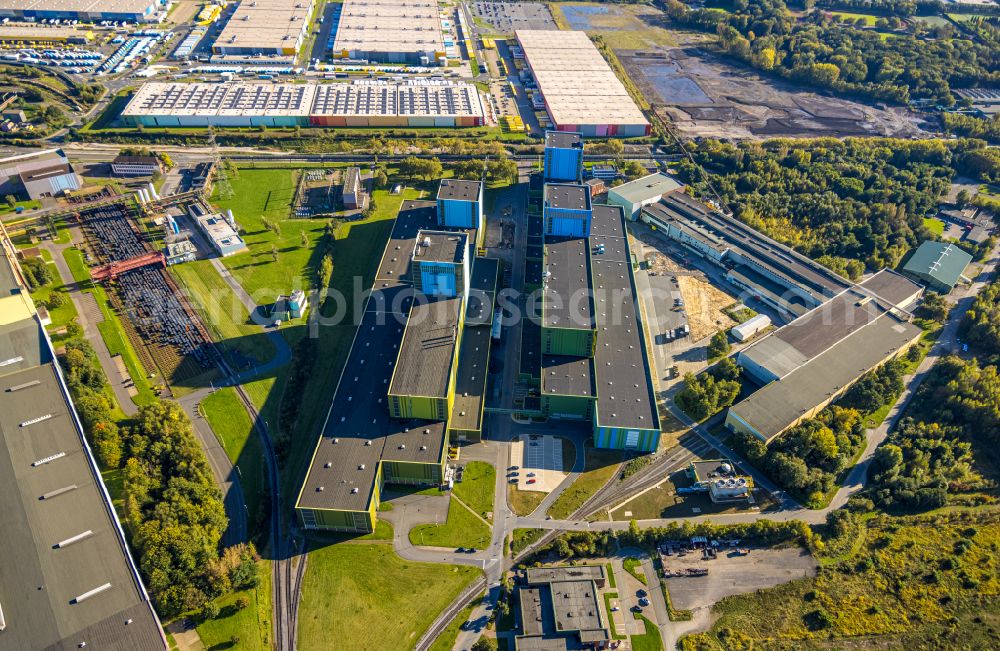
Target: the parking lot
(541, 460)
(732, 573)
(506, 17)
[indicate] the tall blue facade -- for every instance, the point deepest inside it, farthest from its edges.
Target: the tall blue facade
(460, 205)
(567, 211)
(563, 157)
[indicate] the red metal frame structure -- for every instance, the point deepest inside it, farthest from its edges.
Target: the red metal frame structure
(111, 270)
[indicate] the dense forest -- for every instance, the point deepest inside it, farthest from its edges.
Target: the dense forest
(980, 325)
(807, 458)
(818, 50)
(857, 199)
(928, 460)
(972, 127)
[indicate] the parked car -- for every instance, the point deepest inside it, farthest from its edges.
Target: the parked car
(531, 474)
(531, 481)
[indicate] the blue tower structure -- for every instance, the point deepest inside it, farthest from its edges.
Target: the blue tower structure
(460, 205)
(567, 211)
(563, 157)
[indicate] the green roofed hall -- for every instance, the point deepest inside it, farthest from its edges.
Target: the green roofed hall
(939, 265)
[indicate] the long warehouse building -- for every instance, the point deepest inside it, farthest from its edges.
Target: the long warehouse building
(390, 31)
(813, 360)
(356, 104)
(136, 11)
(398, 393)
(67, 580)
(770, 271)
(581, 92)
(272, 27)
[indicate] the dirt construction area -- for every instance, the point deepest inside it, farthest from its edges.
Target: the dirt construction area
(703, 302)
(703, 95)
(732, 573)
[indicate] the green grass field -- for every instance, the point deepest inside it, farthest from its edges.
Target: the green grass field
(463, 529)
(869, 20)
(521, 538)
(446, 640)
(366, 590)
(251, 625)
(934, 225)
(222, 311)
(648, 641)
(477, 487)
(600, 467)
(231, 424)
(523, 502)
(634, 567)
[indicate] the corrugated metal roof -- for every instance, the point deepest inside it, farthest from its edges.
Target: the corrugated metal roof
(942, 261)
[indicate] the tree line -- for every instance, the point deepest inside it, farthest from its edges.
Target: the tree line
(173, 513)
(849, 203)
(928, 461)
(710, 392)
(816, 50)
(584, 544)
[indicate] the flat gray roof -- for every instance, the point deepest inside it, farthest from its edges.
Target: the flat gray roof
(624, 387)
(440, 246)
(482, 292)
(892, 287)
(66, 577)
(776, 406)
(566, 303)
(459, 190)
(474, 353)
(563, 139)
(815, 332)
(568, 376)
(359, 412)
(569, 196)
(575, 606)
(428, 349)
(565, 573)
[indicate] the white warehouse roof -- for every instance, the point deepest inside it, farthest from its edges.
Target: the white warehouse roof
(578, 84)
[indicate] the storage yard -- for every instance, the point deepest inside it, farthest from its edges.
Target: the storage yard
(390, 31)
(702, 95)
(581, 91)
(357, 104)
(161, 327)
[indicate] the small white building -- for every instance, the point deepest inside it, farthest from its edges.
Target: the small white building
(751, 327)
(632, 196)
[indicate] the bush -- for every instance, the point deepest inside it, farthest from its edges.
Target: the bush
(209, 611)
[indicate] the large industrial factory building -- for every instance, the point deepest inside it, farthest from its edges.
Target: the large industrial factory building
(390, 31)
(271, 27)
(135, 11)
(581, 91)
(416, 371)
(359, 104)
